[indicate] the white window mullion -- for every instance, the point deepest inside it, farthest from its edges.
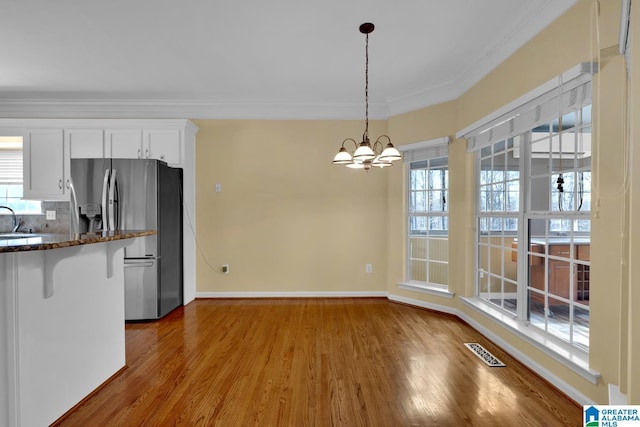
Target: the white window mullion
(523, 229)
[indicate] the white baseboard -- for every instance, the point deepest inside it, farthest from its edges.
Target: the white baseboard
(345, 294)
(616, 397)
(424, 304)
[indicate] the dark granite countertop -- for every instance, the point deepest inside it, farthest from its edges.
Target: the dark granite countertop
(18, 242)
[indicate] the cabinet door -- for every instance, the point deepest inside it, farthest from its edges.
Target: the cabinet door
(163, 145)
(559, 278)
(124, 144)
(85, 143)
(45, 165)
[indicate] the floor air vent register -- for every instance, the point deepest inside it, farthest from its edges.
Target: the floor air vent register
(483, 354)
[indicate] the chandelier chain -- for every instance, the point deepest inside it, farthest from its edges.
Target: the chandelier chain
(366, 87)
(366, 155)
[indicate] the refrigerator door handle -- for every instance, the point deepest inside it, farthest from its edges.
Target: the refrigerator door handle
(105, 201)
(138, 263)
(75, 215)
(113, 201)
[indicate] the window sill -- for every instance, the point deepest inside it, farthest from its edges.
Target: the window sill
(425, 288)
(571, 357)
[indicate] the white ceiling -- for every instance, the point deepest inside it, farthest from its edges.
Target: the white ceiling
(252, 58)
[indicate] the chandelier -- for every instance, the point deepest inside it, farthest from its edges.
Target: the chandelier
(366, 155)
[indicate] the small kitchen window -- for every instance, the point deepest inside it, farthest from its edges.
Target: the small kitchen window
(11, 178)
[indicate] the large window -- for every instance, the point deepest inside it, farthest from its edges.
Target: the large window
(429, 221)
(558, 227)
(11, 178)
(498, 217)
(428, 214)
(533, 203)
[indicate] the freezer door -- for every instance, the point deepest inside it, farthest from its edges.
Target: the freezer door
(141, 289)
(138, 203)
(170, 237)
(87, 178)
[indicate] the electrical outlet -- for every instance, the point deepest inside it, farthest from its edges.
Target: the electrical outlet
(225, 268)
(368, 268)
(51, 215)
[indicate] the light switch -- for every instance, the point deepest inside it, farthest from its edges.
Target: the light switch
(218, 188)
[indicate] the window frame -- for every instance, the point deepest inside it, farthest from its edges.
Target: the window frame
(11, 147)
(427, 214)
(526, 292)
(415, 152)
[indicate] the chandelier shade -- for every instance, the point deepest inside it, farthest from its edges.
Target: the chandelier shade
(365, 155)
(364, 152)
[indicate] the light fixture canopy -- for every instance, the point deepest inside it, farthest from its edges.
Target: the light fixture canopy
(365, 155)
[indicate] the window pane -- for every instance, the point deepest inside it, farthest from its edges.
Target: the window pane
(428, 192)
(436, 179)
(418, 180)
(439, 249)
(540, 193)
(485, 197)
(497, 197)
(418, 271)
(417, 202)
(436, 201)
(418, 225)
(438, 273)
(485, 171)
(558, 319)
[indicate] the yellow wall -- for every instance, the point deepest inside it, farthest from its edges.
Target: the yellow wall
(289, 221)
(562, 45)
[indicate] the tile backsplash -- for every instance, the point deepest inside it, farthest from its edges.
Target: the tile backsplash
(38, 223)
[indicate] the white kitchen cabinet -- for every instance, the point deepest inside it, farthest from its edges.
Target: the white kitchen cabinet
(163, 145)
(45, 165)
(86, 143)
(124, 143)
(159, 144)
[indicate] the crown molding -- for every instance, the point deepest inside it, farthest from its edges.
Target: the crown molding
(191, 109)
(522, 32)
(422, 98)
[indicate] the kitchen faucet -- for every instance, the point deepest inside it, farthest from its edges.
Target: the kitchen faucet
(16, 224)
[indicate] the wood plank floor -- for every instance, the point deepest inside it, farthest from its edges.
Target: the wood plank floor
(316, 362)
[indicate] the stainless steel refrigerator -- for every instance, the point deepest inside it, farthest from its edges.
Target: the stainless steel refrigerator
(134, 194)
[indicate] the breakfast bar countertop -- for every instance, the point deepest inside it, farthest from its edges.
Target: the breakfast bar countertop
(20, 242)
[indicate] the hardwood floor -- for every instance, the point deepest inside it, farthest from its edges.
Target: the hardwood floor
(316, 362)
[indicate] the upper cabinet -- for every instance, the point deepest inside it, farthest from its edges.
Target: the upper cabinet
(124, 143)
(159, 144)
(86, 143)
(45, 165)
(49, 145)
(163, 144)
